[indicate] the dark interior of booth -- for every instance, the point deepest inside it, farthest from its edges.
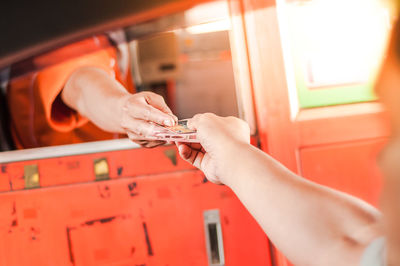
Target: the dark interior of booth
(184, 56)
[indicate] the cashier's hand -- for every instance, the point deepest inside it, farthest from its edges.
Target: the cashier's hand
(138, 110)
(220, 141)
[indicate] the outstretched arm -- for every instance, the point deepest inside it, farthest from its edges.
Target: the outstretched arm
(103, 100)
(309, 223)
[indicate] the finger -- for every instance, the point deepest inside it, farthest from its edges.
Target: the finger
(149, 143)
(196, 121)
(144, 142)
(140, 128)
(153, 143)
(148, 113)
(191, 123)
(184, 150)
(136, 138)
(193, 156)
(202, 150)
(158, 102)
(193, 146)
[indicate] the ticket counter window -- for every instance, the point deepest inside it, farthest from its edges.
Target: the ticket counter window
(184, 57)
(333, 48)
(191, 67)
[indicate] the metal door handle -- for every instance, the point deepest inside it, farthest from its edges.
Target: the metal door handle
(214, 243)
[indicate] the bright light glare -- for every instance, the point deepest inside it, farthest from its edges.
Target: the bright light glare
(220, 25)
(338, 42)
(208, 12)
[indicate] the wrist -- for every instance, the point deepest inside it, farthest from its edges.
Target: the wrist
(234, 159)
(121, 101)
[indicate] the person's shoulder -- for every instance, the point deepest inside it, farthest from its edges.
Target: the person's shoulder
(375, 253)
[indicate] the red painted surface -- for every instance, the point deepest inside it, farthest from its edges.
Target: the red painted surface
(77, 221)
(348, 167)
(80, 169)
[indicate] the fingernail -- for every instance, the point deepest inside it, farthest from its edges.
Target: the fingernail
(168, 123)
(180, 149)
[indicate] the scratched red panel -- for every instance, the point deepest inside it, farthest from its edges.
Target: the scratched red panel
(116, 240)
(79, 169)
(102, 223)
(4, 179)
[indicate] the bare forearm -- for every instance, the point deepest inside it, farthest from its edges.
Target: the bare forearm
(95, 94)
(309, 223)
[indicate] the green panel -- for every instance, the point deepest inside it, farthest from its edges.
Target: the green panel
(314, 27)
(335, 96)
(317, 97)
(330, 95)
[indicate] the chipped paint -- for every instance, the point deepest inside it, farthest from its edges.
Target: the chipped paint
(104, 191)
(71, 254)
(146, 235)
(101, 220)
(120, 170)
(132, 188)
(171, 154)
(3, 168)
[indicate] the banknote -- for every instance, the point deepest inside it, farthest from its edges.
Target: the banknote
(181, 128)
(177, 137)
(180, 132)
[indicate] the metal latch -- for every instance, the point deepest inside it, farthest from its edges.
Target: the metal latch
(214, 243)
(101, 169)
(31, 176)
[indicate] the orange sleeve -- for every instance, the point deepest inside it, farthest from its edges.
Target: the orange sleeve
(51, 80)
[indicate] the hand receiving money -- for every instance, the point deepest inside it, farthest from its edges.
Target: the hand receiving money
(207, 141)
(220, 139)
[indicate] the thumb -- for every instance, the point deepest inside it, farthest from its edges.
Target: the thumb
(192, 123)
(158, 102)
